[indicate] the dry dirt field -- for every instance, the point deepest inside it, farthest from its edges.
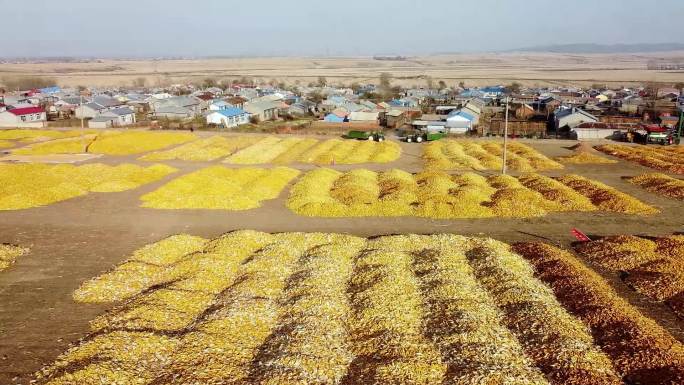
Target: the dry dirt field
(474, 69)
(75, 240)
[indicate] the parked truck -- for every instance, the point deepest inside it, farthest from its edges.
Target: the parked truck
(366, 135)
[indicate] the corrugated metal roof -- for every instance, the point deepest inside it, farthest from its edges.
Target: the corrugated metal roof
(26, 111)
(229, 112)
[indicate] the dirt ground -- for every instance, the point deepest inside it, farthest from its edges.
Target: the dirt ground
(78, 239)
(533, 69)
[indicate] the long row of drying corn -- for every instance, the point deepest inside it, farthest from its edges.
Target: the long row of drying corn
(653, 267)
(669, 159)
(436, 194)
(470, 155)
(330, 309)
(30, 185)
(641, 350)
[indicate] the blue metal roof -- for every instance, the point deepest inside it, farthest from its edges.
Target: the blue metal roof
(232, 111)
(50, 90)
(495, 89)
(333, 118)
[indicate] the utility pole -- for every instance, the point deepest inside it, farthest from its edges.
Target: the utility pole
(82, 123)
(503, 166)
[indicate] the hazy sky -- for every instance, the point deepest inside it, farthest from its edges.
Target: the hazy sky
(320, 27)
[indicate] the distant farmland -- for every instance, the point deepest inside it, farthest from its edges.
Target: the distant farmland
(473, 69)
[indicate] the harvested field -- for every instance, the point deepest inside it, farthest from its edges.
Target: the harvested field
(6, 144)
(221, 188)
(653, 267)
(9, 254)
(670, 159)
(109, 143)
(207, 149)
(304, 308)
(300, 150)
(436, 194)
(643, 351)
(483, 155)
(660, 184)
(24, 186)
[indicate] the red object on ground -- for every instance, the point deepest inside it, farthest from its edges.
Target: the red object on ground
(580, 235)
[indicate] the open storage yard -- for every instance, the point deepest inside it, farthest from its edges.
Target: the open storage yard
(281, 259)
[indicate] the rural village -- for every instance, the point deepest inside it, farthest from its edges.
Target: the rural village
(572, 113)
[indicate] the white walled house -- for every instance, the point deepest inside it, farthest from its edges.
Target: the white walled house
(229, 117)
(118, 117)
(573, 117)
(27, 117)
(88, 110)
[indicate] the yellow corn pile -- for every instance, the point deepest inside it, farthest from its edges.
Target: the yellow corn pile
(110, 143)
(660, 184)
(670, 159)
(9, 255)
(298, 308)
(37, 135)
(465, 155)
(299, 150)
(222, 188)
(654, 268)
(436, 194)
(31, 185)
(585, 158)
(208, 149)
(607, 198)
(641, 350)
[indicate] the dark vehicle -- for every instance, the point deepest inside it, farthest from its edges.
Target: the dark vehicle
(419, 137)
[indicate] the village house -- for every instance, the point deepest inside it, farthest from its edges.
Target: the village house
(228, 117)
(117, 117)
(263, 110)
(177, 105)
(572, 117)
(460, 121)
(26, 117)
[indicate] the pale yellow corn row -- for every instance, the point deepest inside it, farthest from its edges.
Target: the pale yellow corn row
(119, 357)
(310, 344)
(559, 344)
(463, 321)
(221, 347)
(551, 189)
(294, 153)
(129, 357)
(30, 135)
(219, 187)
(208, 149)
(264, 151)
(465, 154)
(607, 198)
(187, 287)
(147, 267)
(386, 323)
(31, 185)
